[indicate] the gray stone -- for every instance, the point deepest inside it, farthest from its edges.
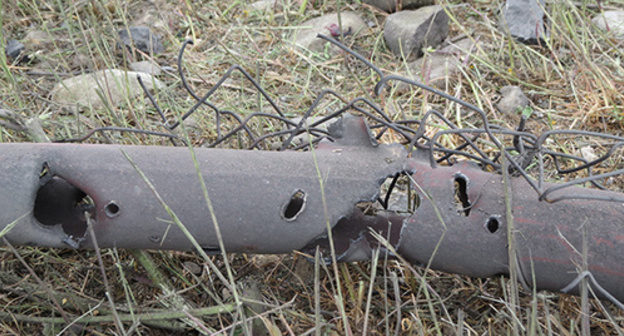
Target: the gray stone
(512, 100)
(114, 85)
(141, 38)
(14, 49)
(391, 5)
(147, 67)
(524, 20)
(192, 267)
(303, 138)
(611, 21)
(306, 37)
(435, 69)
(408, 32)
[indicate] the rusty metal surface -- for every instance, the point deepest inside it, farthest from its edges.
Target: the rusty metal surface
(461, 227)
(473, 239)
(251, 192)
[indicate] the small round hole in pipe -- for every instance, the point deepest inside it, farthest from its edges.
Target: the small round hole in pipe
(112, 209)
(295, 205)
(492, 224)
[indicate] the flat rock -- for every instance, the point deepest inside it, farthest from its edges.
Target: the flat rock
(408, 32)
(512, 100)
(306, 38)
(141, 38)
(438, 67)
(390, 6)
(524, 20)
(611, 21)
(114, 85)
(147, 67)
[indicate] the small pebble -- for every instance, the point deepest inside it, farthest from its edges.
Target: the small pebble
(141, 38)
(14, 49)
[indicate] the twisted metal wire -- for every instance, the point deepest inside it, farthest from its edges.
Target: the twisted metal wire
(528, 149)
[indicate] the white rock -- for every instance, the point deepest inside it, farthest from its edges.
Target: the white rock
(147, 67)
(112, 84)
(614, 20)
(351, 22)
(588, 153)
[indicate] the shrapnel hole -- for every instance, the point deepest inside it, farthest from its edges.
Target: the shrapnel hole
(461, 195)
(492, 224)
(59, 202)
(211, 250)
(45, 170)
(295, 205)
(396, 195)
(112, 209)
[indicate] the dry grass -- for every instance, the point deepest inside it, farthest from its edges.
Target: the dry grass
(574, 81)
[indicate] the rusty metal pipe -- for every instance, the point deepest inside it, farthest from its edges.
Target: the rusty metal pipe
(272, 202)
(461, 227)
(265, 202)
(465, 212)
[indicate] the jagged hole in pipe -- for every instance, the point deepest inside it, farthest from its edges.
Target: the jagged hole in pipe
(295, 205)
(398, 197)
(462, 202)
(58, 202)
(352, 236)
